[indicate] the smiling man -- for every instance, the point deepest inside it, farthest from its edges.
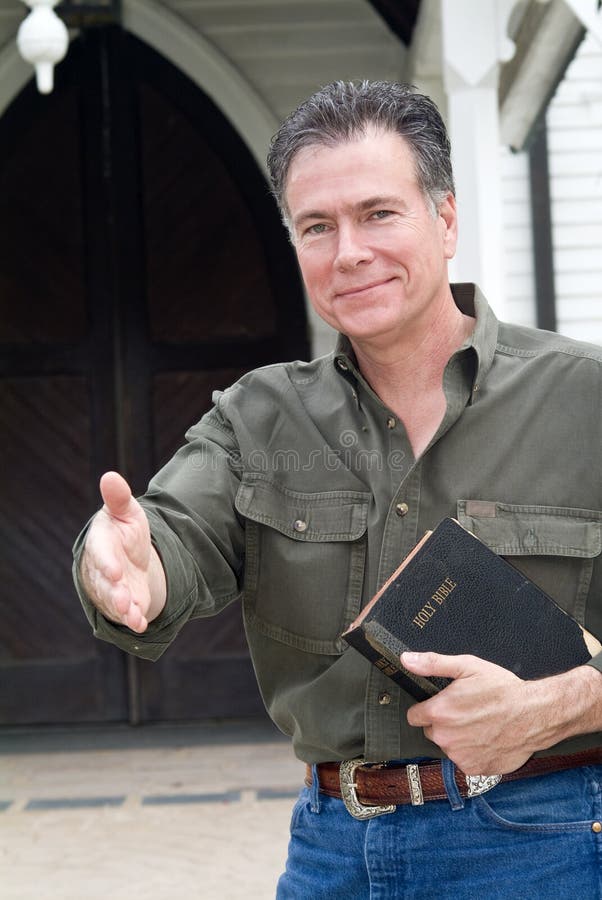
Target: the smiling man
(427, 407)
(373, 252)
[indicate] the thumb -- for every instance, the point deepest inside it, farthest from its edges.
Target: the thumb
(438, 664)
(116, 494)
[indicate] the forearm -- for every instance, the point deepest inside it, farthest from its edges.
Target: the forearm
(563, 706)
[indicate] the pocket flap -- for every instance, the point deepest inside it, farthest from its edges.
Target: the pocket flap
(323, 516)
(522, 530)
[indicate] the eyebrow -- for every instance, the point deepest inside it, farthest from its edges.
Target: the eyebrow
(379, 201)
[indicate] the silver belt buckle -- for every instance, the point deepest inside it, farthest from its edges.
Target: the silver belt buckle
(480, 784)
(349, 792)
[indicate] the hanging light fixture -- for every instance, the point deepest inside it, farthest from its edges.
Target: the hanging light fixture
(42, 40)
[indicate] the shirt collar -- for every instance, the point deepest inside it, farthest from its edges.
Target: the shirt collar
(471, 301)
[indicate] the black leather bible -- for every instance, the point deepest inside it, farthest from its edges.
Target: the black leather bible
(452, 594)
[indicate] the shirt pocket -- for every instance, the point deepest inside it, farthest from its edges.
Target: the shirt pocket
(554, 546)
(305, 561)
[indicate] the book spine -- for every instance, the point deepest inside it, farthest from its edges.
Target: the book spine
(391, 666)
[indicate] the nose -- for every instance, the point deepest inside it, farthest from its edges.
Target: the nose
(352, 249)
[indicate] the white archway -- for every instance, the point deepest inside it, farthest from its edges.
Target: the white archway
(189, 51)
(208, 68)
(14, 74)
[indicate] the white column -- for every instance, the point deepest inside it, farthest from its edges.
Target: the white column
(474, 42)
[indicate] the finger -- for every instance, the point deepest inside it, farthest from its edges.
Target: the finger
(126, 610)
(135, 621)
(439, 665)
(116, 494)
(419, 715)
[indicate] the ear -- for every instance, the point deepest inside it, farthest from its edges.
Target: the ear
(449, 223)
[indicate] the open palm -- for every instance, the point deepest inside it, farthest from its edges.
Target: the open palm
(119, 567)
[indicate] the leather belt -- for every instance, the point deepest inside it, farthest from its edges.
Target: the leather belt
(373, 789)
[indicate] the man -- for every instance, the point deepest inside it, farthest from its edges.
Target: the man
(427, 408)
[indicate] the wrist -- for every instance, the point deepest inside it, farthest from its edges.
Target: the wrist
(563, 706)
(157, 586)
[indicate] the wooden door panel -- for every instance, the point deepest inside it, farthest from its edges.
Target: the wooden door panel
(180, 399)
(50, 670)
(206, 673)
(42, 292)
(143, 265)
(212, 302)
(205, 269)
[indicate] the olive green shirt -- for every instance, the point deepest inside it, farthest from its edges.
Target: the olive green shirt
(299, 494)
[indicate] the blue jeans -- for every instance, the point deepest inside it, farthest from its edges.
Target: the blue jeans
(530, 839)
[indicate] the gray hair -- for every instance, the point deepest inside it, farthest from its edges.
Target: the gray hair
(343, 111)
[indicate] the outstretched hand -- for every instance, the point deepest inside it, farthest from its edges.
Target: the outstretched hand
(120, 569)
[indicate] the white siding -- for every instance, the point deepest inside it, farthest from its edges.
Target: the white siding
(575, 145)
(519, 285)
(575, 159)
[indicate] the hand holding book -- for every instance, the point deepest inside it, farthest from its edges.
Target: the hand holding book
(489, 720)
(453, 595)
(478, 627)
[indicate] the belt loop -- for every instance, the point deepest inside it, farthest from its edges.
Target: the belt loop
(314, 791)
(448, 769)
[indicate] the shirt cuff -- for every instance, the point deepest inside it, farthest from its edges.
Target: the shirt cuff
(596, 662)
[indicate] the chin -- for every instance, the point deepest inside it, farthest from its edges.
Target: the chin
(367, 328)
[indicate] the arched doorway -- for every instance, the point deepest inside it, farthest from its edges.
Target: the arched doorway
(142, 266)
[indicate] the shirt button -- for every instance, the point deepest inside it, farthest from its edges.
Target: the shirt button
(342, 365)
(597, 827)
(384, 699)
(402, 509)
(391, 422)
(299, 525)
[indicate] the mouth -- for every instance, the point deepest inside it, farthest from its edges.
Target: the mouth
(362, 288)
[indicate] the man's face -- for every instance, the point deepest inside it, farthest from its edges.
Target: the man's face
(372, 255)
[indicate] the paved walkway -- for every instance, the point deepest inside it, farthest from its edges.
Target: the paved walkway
(154, 812)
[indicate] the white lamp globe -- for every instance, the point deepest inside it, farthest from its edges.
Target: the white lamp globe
(42, 40)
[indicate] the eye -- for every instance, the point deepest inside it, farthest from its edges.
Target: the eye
(318, 228)
(381, 214)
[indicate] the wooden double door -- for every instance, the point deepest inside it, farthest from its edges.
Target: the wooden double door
(142, 265)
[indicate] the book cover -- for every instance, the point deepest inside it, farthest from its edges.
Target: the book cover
(453, 595)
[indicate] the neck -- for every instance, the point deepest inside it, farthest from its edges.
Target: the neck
(408, 376)
(418, 356)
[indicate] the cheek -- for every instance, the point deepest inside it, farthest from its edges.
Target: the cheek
(315, 271)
